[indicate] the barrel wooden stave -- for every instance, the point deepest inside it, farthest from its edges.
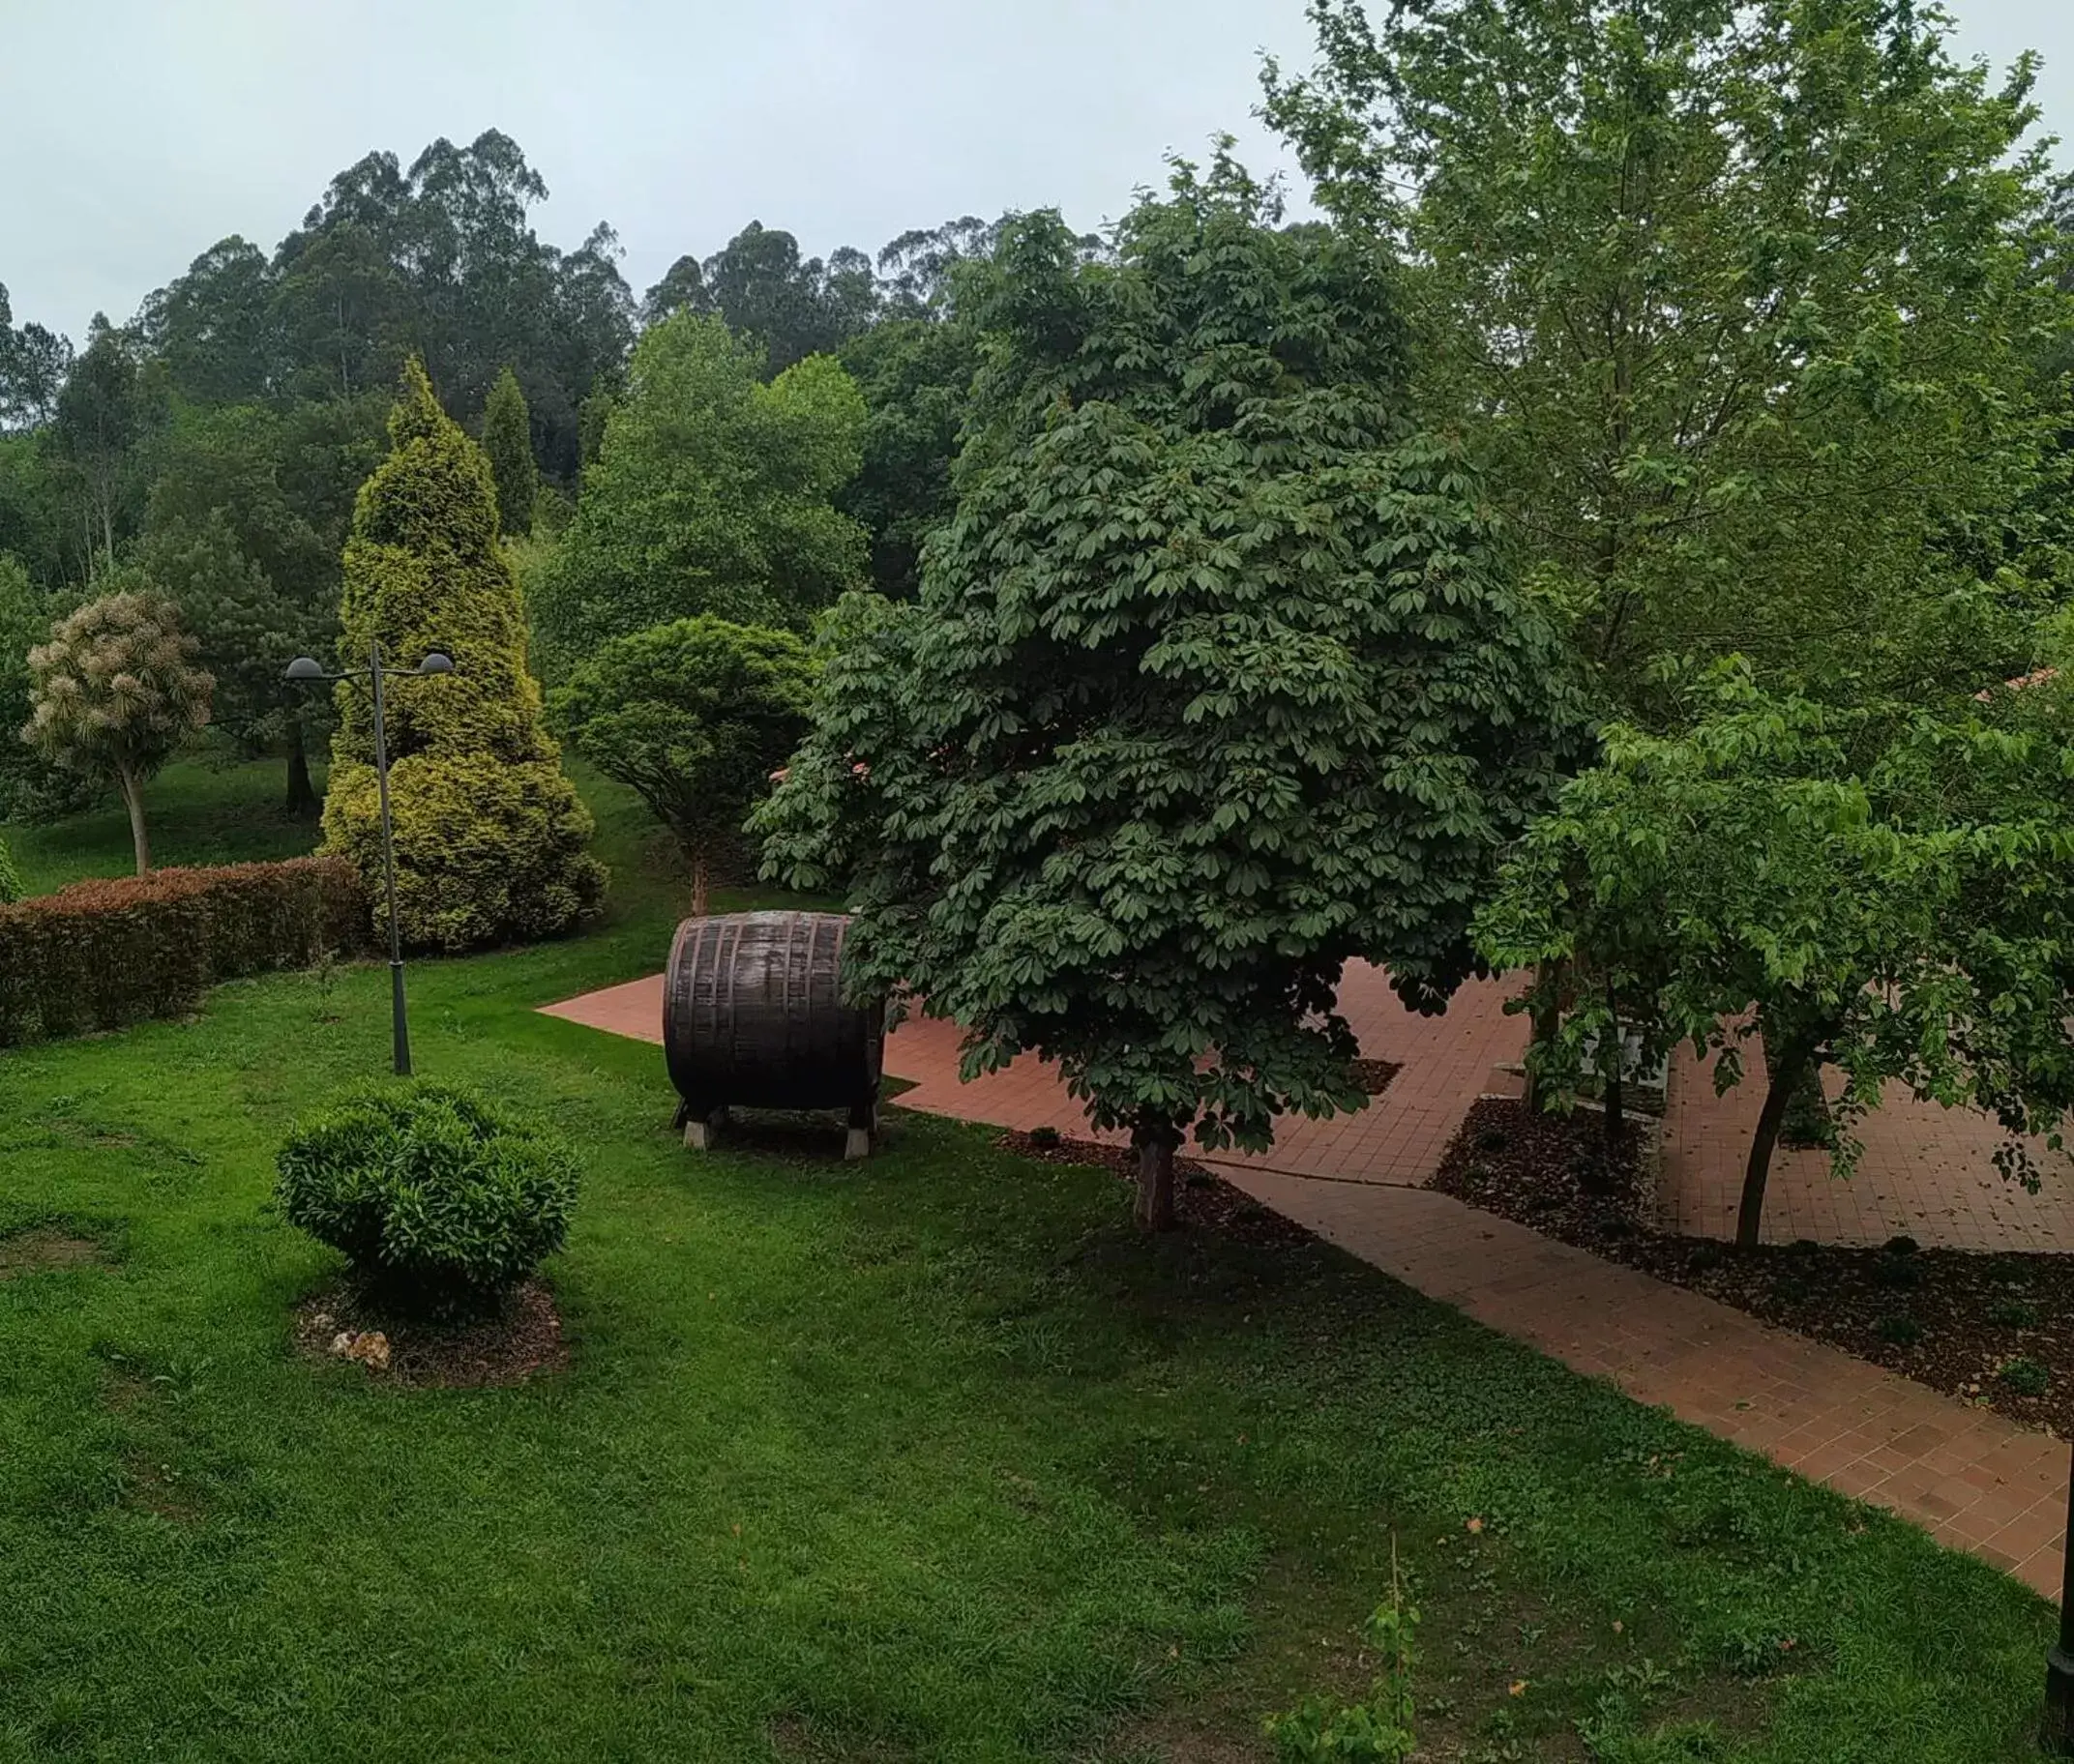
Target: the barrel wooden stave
(754, 1016)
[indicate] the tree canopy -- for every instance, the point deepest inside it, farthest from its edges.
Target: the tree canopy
(115, 694)
(1216, 680)
(711, 493)
(1882, 887)
(1742, 304)
(695, 715)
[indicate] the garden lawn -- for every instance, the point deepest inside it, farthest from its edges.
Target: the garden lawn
(930, 1458)
(204, 810)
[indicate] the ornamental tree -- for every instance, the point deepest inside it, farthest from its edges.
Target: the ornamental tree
(508, 445)
(695, 715)
(116, 693)
(1885, 887)
(490, 835)
(1216, 680)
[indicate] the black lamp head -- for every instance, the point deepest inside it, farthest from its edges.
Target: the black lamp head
(306, 667)
(436, 664)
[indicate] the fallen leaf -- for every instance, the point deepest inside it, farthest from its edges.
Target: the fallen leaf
(1475, 1527)
(1518, 1686)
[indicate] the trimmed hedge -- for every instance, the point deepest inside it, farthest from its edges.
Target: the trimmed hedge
(102, 953)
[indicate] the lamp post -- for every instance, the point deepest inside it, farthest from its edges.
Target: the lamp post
(2057, 1739)
(306, 671)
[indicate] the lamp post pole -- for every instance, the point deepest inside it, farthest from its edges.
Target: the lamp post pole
(400, 1020)
(2057, 1739)
(303, 670)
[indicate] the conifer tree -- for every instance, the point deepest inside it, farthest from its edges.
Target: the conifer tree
(508, 442)
(490, 835)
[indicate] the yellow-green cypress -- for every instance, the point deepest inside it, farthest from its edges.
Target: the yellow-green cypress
(490, 835)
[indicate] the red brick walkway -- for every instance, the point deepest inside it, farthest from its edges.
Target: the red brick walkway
(1970, 1479)
(1927, 1173)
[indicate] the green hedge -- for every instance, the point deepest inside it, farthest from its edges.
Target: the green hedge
(102, 954)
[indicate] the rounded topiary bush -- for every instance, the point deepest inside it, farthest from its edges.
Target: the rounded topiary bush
(437, 1198)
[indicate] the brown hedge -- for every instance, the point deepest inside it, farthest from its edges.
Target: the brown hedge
(102, 954)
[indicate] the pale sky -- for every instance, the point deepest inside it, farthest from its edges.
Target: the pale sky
(133, 134)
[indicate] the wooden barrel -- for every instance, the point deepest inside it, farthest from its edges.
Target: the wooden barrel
(754, 1017)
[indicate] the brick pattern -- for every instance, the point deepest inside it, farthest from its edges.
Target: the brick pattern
(1926, 1171)
(1970, 1479)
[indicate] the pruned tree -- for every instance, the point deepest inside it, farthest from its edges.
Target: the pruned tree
(116, 694)
(695, 715)
(490, 833)
(1216, 681)
(1886, 888)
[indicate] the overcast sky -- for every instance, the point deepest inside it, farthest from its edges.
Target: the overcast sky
(133, 134)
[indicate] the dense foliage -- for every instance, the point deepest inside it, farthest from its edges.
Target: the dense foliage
(437, 1199)
(99, 955)
(115, 692)
(695, 715)
(1743, 303)
(1216, 680)
(490, 835)
(31, 787)
(508, 446)
(1884, 888)
(711, 493)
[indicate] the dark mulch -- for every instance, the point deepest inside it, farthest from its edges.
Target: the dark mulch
(1969, 1325)
(1375, 1075)
(521, 1340)
(1203, 1198)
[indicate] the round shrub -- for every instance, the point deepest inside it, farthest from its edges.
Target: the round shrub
(436, 1199)
(10, 878)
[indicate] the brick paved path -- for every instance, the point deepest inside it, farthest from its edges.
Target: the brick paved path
(1970, 1478)
(1928, 1172)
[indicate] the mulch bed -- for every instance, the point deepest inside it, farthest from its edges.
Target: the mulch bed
(1203, 1198)
(521, 1340)
(1989, 1330)
(1375, 1075)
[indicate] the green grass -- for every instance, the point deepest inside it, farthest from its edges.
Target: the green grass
(198, 811)
(926, 1458)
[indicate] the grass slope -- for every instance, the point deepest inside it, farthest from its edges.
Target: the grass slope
(925, 1459)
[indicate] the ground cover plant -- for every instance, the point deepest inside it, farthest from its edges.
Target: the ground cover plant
(931, 1458)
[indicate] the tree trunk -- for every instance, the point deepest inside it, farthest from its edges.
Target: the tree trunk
(1545, 1020)
(1616, 1094)
(1155, 1141)
(132, 789)
(699, 891)
(302, 793)
(1750, 1216)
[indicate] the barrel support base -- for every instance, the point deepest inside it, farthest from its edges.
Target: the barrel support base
(701, 1130)
(863, 1126)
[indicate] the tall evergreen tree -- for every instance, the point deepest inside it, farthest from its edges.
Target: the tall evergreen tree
(490, 835)
(508, 443)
